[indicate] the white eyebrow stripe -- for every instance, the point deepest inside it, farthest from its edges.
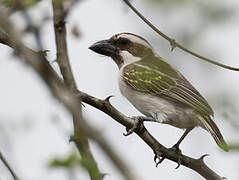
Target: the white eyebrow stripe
(134, 39)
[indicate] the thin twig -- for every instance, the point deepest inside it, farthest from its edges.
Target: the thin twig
(8, 166)
(61, 44)
(64, 63)
(175, 44)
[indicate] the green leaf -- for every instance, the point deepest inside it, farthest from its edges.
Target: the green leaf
(234, 147)
(69, 161)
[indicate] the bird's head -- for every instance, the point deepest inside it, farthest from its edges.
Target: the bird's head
(123, 48)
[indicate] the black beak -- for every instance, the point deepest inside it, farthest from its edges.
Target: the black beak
(105, 47)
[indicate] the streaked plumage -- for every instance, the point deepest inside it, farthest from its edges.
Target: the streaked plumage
(155, 76)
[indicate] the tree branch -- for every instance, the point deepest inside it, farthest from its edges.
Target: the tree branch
(64, 63)
(40, 64)
(175, 44)
(61, 44)
(121, 165)
(8, 166)
(72, 102)
(195, 164)
(4, 39)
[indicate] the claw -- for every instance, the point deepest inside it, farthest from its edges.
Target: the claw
(155, 158)
(160, 161)
(176, 149)
(130, 131)
(158, 156)
(138, 120)
(179, 161)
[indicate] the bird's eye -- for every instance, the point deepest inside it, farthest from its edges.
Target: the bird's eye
(122, 41)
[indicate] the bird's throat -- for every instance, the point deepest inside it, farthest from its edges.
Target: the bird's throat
(125, 58)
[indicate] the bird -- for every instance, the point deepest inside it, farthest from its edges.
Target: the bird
(155, 88)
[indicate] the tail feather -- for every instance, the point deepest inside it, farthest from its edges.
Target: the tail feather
(211, 127)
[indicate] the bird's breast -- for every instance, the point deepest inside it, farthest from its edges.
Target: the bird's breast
(159, 108)
(145, 103)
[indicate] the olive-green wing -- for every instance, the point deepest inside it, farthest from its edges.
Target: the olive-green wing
(155, 76)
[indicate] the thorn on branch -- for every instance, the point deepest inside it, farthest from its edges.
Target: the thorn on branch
(173, 44)
(203, 156)
(108, 98)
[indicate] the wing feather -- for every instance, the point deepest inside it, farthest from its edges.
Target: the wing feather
(155, 76)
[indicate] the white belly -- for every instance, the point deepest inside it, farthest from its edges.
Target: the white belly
(160, 109)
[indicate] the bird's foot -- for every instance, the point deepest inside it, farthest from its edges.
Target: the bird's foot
(159, 158)
(137, 126)
(176, 149)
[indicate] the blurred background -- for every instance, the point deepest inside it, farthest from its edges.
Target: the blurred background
(35, 128)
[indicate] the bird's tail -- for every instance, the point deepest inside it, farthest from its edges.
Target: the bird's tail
(211, 127)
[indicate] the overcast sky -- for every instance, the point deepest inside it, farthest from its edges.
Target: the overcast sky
(35, 128)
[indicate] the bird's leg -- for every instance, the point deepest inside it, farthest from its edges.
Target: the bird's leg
(138, 122)
(175, 148)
